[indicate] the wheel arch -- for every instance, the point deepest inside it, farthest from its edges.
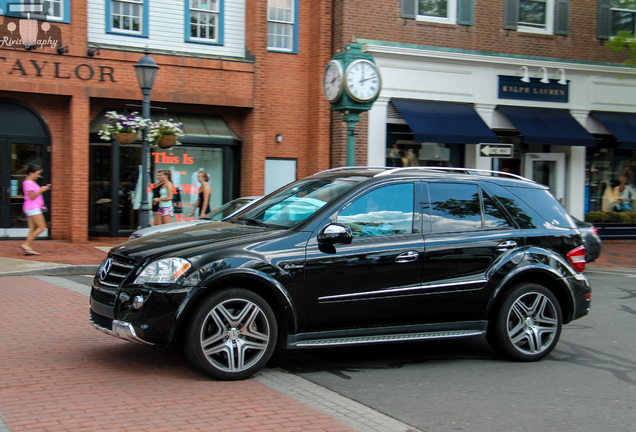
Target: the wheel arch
(268, 288)
(544, 276)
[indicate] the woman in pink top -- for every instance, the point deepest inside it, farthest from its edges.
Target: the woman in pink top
(33, 206)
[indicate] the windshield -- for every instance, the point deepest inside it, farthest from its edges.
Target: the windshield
(296, 202)
(227, 209)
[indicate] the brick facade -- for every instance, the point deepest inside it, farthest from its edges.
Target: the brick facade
(265, 94)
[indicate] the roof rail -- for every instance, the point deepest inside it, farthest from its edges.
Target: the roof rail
(447, 169)
(351, 168)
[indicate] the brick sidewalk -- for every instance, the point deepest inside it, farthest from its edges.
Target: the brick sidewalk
(59, 374)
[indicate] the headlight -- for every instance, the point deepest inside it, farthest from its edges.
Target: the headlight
(165, 271)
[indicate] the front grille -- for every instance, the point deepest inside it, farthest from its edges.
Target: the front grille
(114, 270)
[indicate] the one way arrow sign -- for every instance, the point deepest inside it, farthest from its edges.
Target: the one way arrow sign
(496, 150)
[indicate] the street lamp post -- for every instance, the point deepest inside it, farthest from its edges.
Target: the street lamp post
(146, 70)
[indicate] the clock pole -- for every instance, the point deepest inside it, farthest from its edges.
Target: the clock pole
(351, 119)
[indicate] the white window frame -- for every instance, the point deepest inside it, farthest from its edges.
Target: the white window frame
(549, 20)
(292, 24)
(217, 22)
(48, 4)
(142, 7)
(620, 9)
(450, 19)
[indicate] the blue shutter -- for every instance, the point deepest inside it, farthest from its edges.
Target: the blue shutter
(408, 9)
(562, 17)
(465, 12)
(511, 14)
(604, 24)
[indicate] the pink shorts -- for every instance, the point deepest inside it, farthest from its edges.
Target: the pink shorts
(166, 211)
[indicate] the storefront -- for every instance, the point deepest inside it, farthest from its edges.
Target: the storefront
(24, 140)
(465, 108)
(207, 144)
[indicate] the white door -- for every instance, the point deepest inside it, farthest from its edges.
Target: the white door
(547, 169)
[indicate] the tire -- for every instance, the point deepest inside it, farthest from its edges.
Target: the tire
(232, 334)
(527, 325)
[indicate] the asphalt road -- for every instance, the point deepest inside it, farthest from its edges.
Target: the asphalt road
(588, 383)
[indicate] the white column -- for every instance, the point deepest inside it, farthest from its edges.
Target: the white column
(376, 150)
(575, 182)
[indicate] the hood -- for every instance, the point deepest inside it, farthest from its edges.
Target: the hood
(191, 240)
(168, 227)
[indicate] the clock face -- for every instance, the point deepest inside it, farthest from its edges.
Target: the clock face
(362, 80)
(332, 80)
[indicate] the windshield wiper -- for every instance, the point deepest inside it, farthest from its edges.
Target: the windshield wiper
(253, 221)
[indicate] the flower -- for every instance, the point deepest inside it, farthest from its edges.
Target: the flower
(116, 123)
(163, 127)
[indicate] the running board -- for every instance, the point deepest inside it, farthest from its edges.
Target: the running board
(405, 337)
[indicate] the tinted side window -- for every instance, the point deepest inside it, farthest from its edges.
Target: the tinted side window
(387, 210)
(493, 216)
(545, 204)
(454, 206)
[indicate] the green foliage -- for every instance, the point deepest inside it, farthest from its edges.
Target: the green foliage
(610, 217)
(624, 40)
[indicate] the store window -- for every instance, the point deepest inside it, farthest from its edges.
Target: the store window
(402, 151)
(185, 164)
(115, 190)
(610, 183)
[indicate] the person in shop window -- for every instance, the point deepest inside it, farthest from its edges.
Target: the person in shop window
(205, 191)
(33, 207)
(621, 197)
(162, 198)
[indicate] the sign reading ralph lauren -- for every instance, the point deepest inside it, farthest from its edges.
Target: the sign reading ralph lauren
(511, 87)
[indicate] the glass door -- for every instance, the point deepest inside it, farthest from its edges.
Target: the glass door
(547, 169)
(15, 156)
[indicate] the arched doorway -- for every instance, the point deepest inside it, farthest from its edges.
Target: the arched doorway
(24, 140)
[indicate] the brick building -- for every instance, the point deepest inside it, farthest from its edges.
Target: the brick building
(530, 77)
(243, 76)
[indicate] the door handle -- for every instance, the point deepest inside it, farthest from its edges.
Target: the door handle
(405, 257)
(507, 245)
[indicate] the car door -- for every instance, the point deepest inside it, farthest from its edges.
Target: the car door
(467, 235)
(374, 280)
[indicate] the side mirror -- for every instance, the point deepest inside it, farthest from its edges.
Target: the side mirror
(335, 233)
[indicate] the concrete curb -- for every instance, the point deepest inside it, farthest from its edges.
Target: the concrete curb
(65, 270)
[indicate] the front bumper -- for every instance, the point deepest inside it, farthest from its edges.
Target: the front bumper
(120, 329)
(155, 323)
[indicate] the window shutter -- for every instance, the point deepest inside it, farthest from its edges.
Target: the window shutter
(511, 14)
(562, 17)
(465, 12)
(604, 24)
(408, 9)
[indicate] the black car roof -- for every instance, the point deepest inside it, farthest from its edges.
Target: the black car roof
(430, 172)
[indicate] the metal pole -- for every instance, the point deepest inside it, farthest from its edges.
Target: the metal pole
(351, 120)
(144, 208)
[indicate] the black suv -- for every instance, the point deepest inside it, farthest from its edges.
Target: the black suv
(354, 256)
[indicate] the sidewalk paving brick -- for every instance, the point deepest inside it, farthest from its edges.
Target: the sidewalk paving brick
(58, 374)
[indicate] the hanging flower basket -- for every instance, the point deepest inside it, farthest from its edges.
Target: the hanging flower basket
(124, 129)
(164, 133)
(126, 137)
(167, 141)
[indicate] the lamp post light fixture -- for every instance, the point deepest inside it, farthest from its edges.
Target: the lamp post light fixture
(146, 70)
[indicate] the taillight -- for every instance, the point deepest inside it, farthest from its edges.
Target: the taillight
(577, 258)
(594, 230)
